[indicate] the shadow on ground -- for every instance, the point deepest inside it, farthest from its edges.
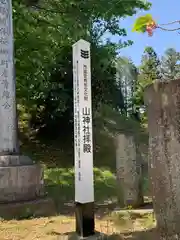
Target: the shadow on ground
(142, 235)
(97, 236)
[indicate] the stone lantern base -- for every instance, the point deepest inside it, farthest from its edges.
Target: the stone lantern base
(21, 181)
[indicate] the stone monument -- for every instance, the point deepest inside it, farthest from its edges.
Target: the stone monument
(163, 105)
(20, 178)
(129, 174)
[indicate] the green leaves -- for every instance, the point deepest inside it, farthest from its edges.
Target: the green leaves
(141, 23)
(148, 72)
(43, 50)
(170, 66)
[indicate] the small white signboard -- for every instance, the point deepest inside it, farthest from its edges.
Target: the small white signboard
(83, 143)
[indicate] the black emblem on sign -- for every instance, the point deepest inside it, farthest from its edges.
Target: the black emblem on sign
(84, 54)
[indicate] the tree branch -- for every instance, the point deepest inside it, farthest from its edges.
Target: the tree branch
(169, 30)
(165, 24)
(36, 7)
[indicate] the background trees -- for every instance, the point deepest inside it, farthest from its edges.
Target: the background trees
(127, 80)
(149, 70)
(170, 66)
(44, 32)
(153, 68)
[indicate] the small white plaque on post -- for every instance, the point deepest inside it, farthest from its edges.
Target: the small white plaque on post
(83, 142)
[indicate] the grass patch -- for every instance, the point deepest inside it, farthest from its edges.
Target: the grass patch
(58, 155)
(59, 181)
(59, 184)
(131, 221)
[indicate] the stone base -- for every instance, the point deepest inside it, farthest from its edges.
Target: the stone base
(41, 207)
(20, 182)
(75, 236)
(85, 224)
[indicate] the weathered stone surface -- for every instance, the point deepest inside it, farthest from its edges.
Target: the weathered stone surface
(20, 179)
(37, 208)
(14, 160)
(163, 101)
(21, 183)
(74, 236)
(8, 126)
(129, 173)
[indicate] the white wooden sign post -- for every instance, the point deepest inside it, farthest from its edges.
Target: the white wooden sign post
(83, 143)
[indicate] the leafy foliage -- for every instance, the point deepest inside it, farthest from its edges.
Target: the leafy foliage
(127, 79)
(147, 24)
(149, 71)
(170, 66)
(44, 35)
(141, 23)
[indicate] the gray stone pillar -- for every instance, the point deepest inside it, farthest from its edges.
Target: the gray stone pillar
(20, 179)
(128, 167)
(8, 126)
(163, 104)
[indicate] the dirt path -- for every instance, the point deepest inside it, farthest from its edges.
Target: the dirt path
(56, 228)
